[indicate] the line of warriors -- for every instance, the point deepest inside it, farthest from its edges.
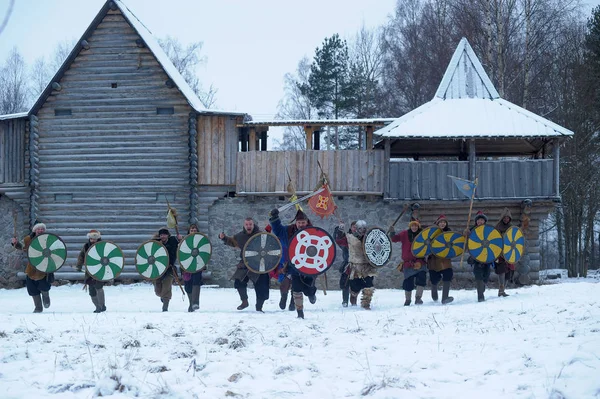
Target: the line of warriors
(357, 273)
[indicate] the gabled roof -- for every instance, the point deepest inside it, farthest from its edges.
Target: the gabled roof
(150, 42)
(467, 105)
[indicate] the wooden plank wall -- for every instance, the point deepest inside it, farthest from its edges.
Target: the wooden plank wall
(108, 165)
(348, 170)
(428, 180)
(217, 149)
(12, 151)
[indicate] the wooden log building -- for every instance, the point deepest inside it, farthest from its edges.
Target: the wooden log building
(118, 131)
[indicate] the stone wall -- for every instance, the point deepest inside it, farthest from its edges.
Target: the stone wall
(11, 261)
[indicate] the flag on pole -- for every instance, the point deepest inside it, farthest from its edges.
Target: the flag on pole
(467, 187)
(323, 204)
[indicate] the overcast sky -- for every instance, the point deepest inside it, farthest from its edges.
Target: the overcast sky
(250, 45)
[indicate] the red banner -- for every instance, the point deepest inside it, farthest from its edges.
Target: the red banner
(322, 204)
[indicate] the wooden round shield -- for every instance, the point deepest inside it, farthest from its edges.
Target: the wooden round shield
(421, 246)
(104, 261)
(151, 259)
(377, 247)
(312, 251)
(485, 244)
(47, 252)
(514, 244)
(193, 252)
(262, 252)
(448, 245)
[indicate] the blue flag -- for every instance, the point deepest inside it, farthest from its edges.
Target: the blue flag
(466, 187)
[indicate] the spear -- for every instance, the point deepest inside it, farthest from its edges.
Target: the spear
(462, 256)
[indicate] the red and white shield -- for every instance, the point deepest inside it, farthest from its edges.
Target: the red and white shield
(312, 251)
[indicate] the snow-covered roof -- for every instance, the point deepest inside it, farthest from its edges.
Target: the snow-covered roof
(152, 45)
(14, 116)
(467, 105)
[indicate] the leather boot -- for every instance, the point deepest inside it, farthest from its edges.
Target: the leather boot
(367, 296)
(407, 296)
(190, 302)
(46, 299)
(165, 307)
(37, 301)
(501, 285)
(283, 300)
(434, 292)
(292, 306)
(419, 295)
(353, 298)
(95, 302)
(445, 292)
(480, 290)
(345, 297)
(259, 305)
(196, 297)
(101, 300)
(299, 303)
(244, 297)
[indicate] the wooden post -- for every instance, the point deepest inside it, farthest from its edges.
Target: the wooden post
(472, 160)
(309, 136)
(369, 144)
(556, 160)
(252, 139)
(386, 167)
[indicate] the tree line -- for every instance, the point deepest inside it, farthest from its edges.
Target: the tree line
(543, 55)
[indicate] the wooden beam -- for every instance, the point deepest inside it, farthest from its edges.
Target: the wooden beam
(369, 131)
(472, 160)
(386, 167)
(309, 136)
(252, 139)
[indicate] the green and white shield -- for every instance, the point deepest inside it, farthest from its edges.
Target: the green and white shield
(47, 252)
(151, 259)
(194, 252)
(104, 261)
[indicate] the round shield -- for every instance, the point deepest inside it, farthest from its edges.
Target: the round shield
(194, 252)
(485, 244)
(151, 259)
(104, 261)
(377, 247)
(448, 245)
(47, 252)
(421, 246)
(514, 244)
(262, 252)
(312, 251)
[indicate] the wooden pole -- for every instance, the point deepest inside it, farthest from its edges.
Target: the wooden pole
(252, 139)
(462, 256)
(309, 136)
(369, 138)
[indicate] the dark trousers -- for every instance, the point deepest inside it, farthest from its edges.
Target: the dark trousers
(195, 280)
(357, 284)
(261, 287)
(445, 275)
(304, 284)
(36, 287)
(94, 286)
(482, 271)
(345, 287)
(419, 279)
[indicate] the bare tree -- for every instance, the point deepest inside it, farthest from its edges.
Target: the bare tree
(13, 84)
(39, 77)
(186, 61)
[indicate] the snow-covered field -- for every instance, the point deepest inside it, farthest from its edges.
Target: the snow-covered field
(541, 342)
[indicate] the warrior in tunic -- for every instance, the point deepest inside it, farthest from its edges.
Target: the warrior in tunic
(440, 269)
(38, 283)
(193, 281)
(503, 268)
(481, 271)
(362, 273)
(415, 273)
(242, 275)
(163, 286)
(96, 288)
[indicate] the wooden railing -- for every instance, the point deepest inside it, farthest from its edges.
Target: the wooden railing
(349, 171)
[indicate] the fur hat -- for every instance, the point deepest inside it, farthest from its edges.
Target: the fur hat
(505, 212)
(94, 234)
(414, 221)
(164, 230)
(300, 215)
(480, 215)
(38, 226)
(440, 218)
